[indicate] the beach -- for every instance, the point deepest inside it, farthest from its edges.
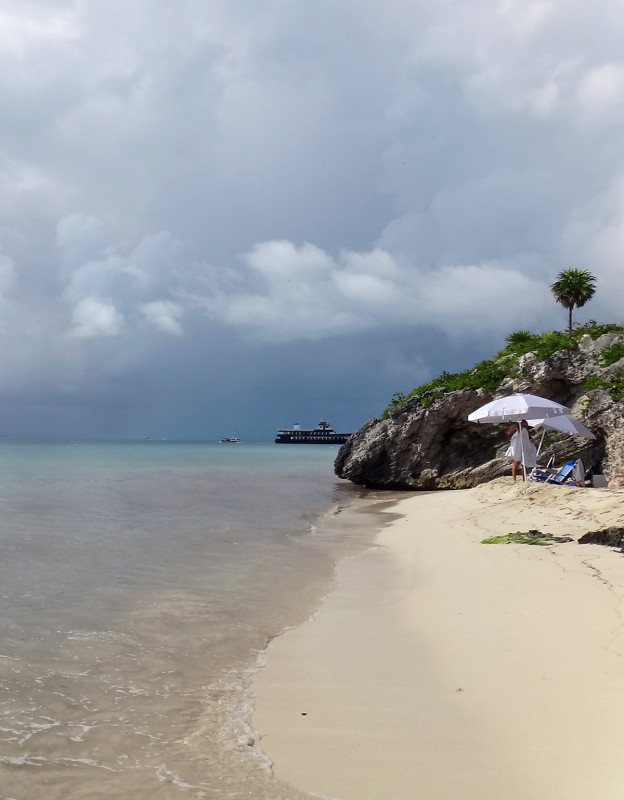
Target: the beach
(441, 667)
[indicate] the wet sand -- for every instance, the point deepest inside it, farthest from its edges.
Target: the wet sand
(441, 667)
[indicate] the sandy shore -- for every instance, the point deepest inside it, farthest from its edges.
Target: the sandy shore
(442, 667)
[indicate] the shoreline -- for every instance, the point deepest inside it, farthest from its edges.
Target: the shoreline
(442, 667)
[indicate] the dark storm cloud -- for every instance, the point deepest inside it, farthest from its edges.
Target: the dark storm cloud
(217, 212)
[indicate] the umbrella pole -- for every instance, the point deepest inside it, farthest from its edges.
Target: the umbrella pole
(524, 475)
(541, 441)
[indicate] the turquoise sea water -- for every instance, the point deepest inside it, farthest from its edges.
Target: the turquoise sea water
(140, 582)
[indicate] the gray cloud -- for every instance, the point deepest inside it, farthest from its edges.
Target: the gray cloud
(195, 190)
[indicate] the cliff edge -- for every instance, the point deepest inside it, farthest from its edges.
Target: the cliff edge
(427, 443)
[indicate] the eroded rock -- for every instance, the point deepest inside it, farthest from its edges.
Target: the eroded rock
(611, 537)
(429, 443)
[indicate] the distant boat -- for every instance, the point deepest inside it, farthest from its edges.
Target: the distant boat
(322, 434)
(230, 439)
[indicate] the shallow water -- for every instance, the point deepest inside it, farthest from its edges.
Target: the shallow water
(140, 583)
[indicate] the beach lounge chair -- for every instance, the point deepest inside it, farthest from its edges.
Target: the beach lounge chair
(565, 473)
(542, 474)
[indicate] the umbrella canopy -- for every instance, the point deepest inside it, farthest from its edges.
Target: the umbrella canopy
(564, 424)
(516, 407)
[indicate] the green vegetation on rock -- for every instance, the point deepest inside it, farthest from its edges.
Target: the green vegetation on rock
(614, 384)
(612, 354)
(489, 374)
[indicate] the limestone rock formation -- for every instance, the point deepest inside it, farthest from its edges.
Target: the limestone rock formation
(611, 537)
(430, 444)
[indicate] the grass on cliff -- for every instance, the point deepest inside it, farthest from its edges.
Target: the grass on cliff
(489, 374)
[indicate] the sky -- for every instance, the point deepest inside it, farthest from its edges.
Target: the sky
(221, 218)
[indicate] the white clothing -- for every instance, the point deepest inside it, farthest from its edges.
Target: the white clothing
(578, 473)
(517, 449)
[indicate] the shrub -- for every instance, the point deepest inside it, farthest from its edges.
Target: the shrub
(520, 342)
(594, 382)
(617, 385)
(553, 342)
(595, 330)
(490, 373)
(542, 344)
(612, 354)
(486, 374)
(614, 384)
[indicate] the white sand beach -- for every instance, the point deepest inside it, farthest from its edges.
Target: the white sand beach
(443, 668)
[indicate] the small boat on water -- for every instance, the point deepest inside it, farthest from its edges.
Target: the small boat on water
(229, 439)
(322, 434)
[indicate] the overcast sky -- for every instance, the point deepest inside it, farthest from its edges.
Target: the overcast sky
(221, 218)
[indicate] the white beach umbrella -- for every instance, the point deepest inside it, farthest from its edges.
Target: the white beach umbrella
(563, 424)
(518, 407)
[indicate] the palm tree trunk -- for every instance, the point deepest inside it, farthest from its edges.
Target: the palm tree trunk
(570, 319)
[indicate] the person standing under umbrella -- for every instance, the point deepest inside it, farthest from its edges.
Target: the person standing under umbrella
(521, 448)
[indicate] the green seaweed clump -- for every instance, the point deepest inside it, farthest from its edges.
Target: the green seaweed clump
(521, 537)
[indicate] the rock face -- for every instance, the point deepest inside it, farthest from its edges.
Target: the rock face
(434, 446)
(611, 537)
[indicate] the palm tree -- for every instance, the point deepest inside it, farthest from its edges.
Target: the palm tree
(573, 287)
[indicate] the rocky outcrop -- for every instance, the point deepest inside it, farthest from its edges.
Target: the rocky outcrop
(611, 537)
(429, 443)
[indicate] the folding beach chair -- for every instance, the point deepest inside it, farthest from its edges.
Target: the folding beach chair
(564, 474)
(543, 474)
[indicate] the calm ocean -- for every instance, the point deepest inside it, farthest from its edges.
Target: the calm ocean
(140, 583)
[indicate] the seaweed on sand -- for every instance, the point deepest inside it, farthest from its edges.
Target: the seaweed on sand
(531, 536)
